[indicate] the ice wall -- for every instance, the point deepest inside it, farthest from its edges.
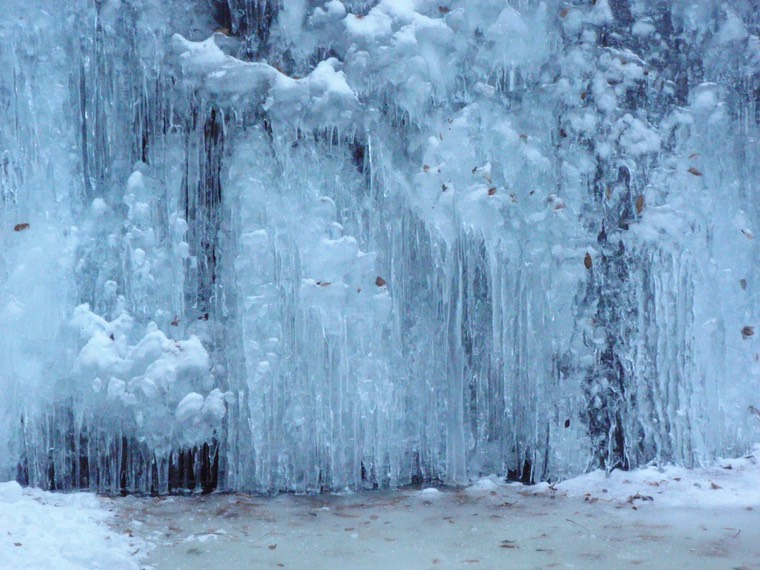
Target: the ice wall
(305, 246)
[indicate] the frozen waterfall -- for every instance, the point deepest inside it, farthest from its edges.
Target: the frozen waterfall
(295, 245)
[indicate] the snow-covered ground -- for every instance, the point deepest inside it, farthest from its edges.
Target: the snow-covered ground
(45, 531)
(648, 518)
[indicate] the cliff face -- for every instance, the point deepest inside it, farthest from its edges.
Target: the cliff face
(305, 246)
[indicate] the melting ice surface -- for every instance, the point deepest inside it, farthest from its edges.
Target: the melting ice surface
(304, 246)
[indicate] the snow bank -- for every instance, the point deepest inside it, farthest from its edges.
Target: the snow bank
(40, 530)
(730, 483)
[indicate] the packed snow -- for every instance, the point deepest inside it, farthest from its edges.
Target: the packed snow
(41, 530)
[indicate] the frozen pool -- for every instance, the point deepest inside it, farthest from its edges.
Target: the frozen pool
(486, 526)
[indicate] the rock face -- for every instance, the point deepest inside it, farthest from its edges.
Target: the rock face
(312, 245)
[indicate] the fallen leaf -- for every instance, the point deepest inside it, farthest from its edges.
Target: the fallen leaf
(693, 155)
(223, 31)
(324, 283)
(380, 282)
(444, 9)
(587, 261)
(444, 187)
(748, 234)
(608, 192)
(748, 331)
(641, 203)
(425, 168)
(272, 546)
(694, 171)
(563, 133)
(492, 191)
(714, 486)
(16, 544)
(20, 227)
(743, 283)
(639, 497)
(175, 322)
(564, 12)
(583, 95)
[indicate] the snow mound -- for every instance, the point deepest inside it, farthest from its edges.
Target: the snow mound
(66, 532)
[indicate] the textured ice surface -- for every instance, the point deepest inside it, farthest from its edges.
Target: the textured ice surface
(325, 245)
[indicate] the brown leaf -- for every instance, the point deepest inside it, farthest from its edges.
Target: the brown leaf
(272, 546)
(324, 283)
(175, 322)
(641, 203)
(564, 12)
(425, 168)
(16, 544)
(380, 282)
(20, 227)
(224, 31)
(693, 155)
(754, 411)
(563, 133)
(715, 486)
(608, 192)
(748, 331)
(444, 187)
(492, 191)
(444, 9)
(748, 234)
(583, 95)
(694, 171)
(743, 283)
(587, 261)
(639, 497)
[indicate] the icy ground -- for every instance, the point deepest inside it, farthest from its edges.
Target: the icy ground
(648, 518)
